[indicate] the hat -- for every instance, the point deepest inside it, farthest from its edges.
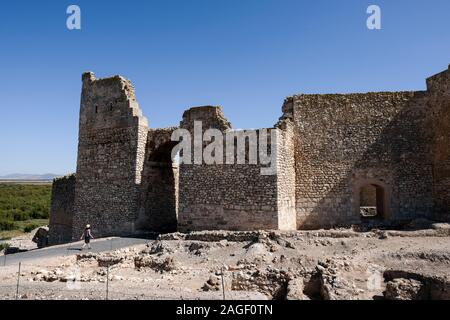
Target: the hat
(88, 226)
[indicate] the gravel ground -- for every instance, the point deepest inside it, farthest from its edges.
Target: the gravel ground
(335, 264)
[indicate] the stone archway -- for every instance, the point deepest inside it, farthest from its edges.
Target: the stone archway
(371, 199)
(158, 207)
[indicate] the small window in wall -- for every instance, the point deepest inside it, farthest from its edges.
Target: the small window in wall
(371, 201)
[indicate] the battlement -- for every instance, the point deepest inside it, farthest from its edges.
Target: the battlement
(211, 117)
(109, 102)
(116, 82)
(439, 82)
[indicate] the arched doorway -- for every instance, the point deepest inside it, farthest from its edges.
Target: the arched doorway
(371, 199)
(159, 190)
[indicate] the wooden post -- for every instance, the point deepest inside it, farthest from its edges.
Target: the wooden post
(223, 286)
(18, 281)
(107, 283)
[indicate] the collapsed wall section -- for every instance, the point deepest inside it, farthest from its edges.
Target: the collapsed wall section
(61, 210)
(344, 142)
(230, 196)
(111, 151)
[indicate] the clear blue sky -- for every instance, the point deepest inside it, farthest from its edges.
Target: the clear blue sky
(245, 55)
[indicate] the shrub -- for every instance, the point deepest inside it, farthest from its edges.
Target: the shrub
(30, 227)
(39, 215)
(4, 246)
(24, 202)
(20, 215)
(6, 225)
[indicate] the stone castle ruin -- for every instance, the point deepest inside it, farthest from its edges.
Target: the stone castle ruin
(341, 159)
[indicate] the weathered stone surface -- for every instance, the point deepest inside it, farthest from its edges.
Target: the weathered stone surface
(106, 260)
(411, 285)
(158, 202)
(237, 196)
(41, 237)
(295, 290)
(213, 284)
(269, 281)
(61, 210)
(157, 263)
(329, 148)
(439, 103)
(404, 289)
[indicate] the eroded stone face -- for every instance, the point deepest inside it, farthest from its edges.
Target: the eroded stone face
(439, 106)
(111, 151)
(61, 211)
(328, 148)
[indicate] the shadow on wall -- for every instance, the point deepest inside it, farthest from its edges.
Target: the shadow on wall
(397, 160)
(159, 185)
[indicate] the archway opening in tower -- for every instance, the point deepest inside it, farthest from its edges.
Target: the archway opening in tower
(159, 191)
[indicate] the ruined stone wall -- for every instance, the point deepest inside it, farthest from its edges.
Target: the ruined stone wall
(439, 106)
(343, 142)
(61, 210)
(111, 150)
(225, 197)
(230, 196)
(328, 147)
(287, 219)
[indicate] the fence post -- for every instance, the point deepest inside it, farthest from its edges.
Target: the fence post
(223, 286)
(4, 259)
(18, 281)
(107, 283)
(71, 246)
(68, 248)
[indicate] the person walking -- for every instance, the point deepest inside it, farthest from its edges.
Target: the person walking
(87, 237)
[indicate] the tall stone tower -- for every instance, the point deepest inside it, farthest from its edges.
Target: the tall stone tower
(111, 152)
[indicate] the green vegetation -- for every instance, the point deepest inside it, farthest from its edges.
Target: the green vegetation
(4, 246)
(30, 227)
(23, 208)
(7, 225)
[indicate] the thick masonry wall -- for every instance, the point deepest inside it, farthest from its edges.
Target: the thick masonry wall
(111, 150)
(228, 197)
(344, 142)
(61, 209)
(287, 219)
(328, 148)
(158, 207)
(439, 104)
(233, 196)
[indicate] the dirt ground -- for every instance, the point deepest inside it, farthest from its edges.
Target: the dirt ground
(324, 264)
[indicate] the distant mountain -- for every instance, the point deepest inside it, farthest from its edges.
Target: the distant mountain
(24, 176)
